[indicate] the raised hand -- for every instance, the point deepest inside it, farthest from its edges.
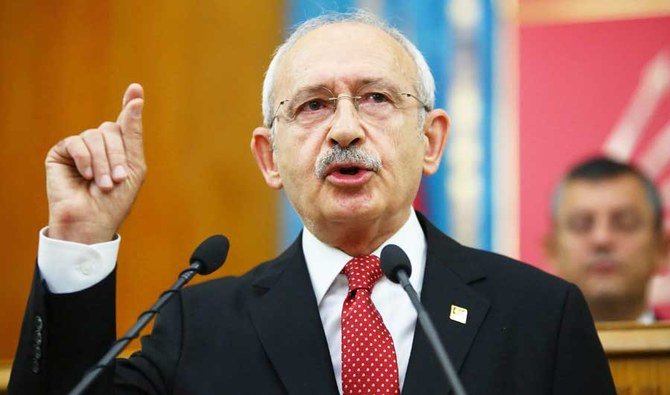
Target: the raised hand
(94, 177)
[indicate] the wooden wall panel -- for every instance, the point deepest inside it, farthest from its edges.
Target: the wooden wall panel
(63, 68)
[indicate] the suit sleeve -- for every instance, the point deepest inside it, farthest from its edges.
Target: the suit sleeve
(581, 367)
(153, 369)
(63, 335)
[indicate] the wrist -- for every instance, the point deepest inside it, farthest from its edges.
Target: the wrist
(78, 234)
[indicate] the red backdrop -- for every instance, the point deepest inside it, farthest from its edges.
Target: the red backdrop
(577, 83)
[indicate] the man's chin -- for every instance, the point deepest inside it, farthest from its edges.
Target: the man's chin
(352, 211)
(351, 216)
(606, 294)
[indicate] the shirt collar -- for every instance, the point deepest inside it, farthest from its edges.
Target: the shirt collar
(324, 262)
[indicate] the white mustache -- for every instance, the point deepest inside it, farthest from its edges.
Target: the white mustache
(346, 156)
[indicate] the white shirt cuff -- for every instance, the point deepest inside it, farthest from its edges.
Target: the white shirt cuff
(71, 267)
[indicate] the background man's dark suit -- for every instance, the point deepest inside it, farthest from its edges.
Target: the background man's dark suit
(526, 333)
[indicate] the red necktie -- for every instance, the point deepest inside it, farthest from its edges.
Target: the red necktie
(369, 364)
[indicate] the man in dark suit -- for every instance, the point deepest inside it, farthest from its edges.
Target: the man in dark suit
(607, 237)
(349, 130)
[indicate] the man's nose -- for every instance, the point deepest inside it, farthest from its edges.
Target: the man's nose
(346, 129)
(602, 234)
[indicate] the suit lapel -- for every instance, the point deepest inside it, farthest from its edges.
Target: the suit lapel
(445, 284)
(286, 318)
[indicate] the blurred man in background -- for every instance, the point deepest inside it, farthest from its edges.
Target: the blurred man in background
(607, 237)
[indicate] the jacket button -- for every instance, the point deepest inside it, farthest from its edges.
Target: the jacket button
(38, 323)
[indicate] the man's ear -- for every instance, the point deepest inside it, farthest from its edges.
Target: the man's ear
(549, 247)
(436, 130)
(663, 248)
(261, 148)
(550, 251)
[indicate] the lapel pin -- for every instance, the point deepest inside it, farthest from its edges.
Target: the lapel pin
(458, 314)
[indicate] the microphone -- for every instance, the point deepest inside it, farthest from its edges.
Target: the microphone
(210, 254)
(208, 257)
(396, 267)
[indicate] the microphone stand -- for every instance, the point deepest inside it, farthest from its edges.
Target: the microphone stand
(431, 334)
(144, 318)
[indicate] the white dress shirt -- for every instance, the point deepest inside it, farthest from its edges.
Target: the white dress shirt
(647, 317)
(71, 267)
(331, 287)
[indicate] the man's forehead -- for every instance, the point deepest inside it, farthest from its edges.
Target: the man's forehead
(348, 53)
(616, 192)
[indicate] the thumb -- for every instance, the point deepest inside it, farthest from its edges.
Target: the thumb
(133, 91)
(130, 121)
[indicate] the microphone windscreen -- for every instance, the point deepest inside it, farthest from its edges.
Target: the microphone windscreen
(211, 253)
(394, 259)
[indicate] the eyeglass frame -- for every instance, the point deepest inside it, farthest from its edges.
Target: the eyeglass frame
(354, 100)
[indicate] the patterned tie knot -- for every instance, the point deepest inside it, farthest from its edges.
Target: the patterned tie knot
(362, 272)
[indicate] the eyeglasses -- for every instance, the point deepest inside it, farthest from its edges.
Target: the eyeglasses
(315, 108)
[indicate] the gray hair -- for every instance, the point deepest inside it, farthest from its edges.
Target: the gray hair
(425, 83)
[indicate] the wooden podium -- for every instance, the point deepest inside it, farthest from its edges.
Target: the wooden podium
(639, 356)
(5, 368)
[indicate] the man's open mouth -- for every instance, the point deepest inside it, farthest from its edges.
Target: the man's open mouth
(348, 174)
(348, 170)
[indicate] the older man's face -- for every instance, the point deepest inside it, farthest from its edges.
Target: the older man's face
(604, 239)
(346, 59)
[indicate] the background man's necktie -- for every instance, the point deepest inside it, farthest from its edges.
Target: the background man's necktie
(369, 364)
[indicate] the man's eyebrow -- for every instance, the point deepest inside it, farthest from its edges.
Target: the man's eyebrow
(371, 81)
(378, 81)
(310, 89)
(628, 209)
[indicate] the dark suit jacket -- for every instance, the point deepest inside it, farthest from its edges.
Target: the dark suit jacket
(526, 333)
